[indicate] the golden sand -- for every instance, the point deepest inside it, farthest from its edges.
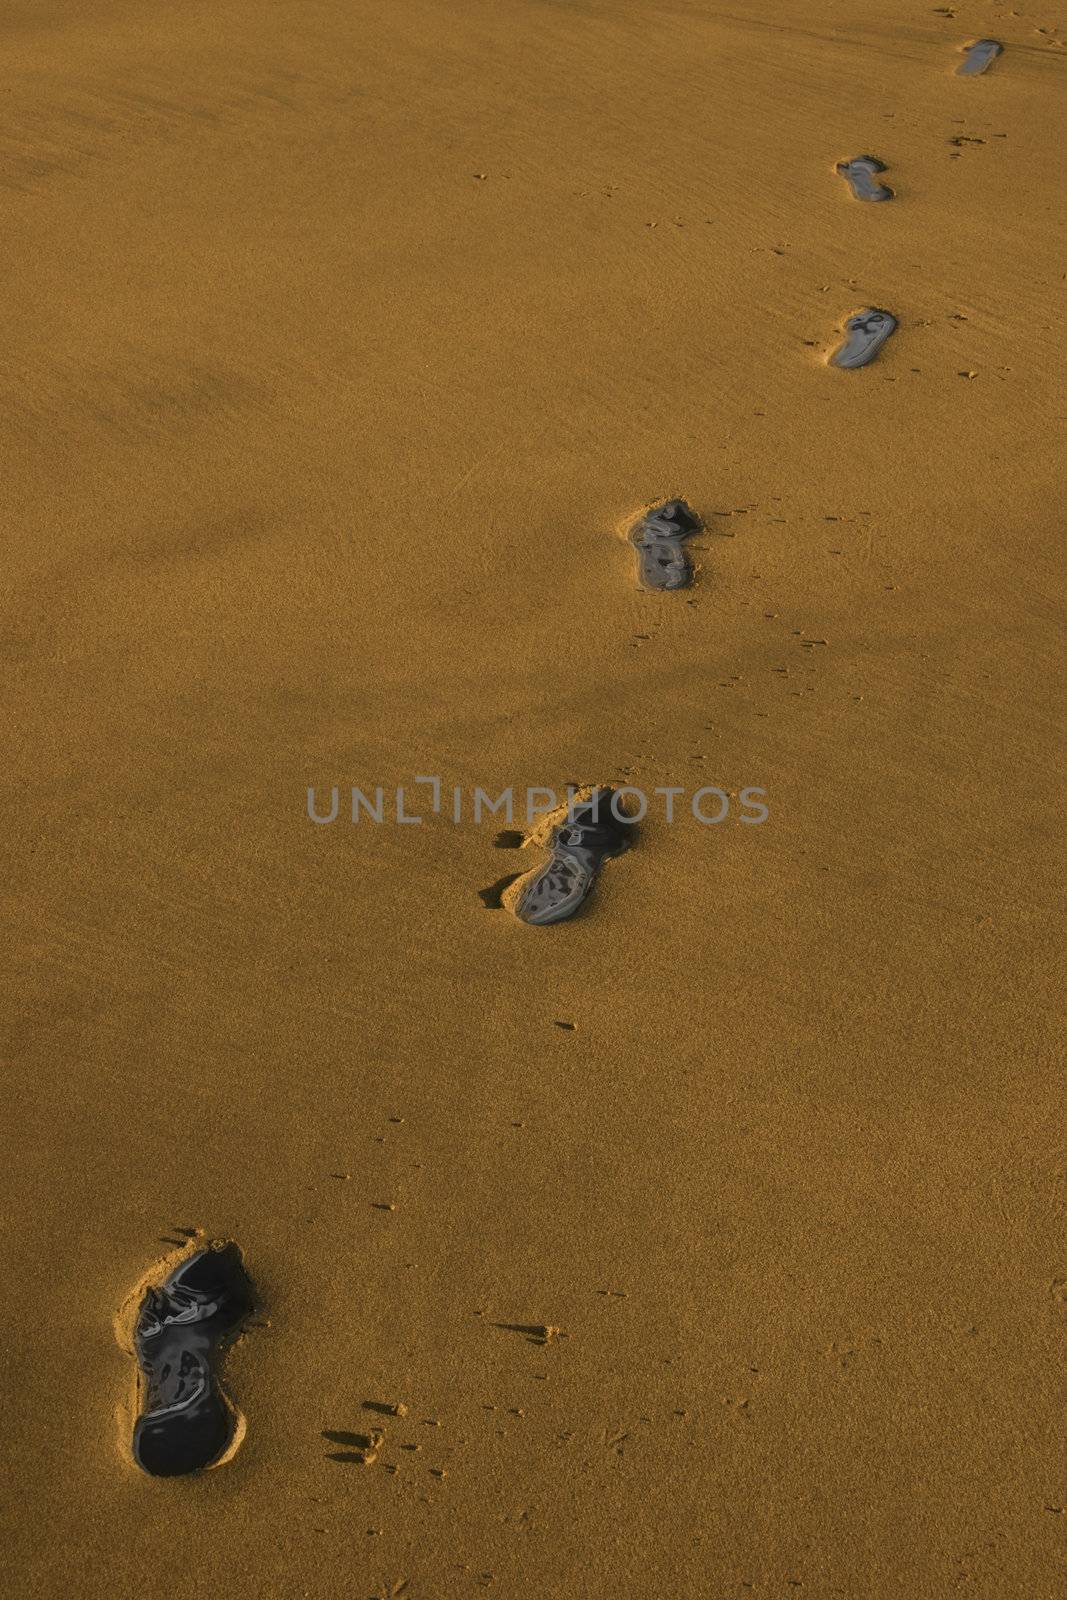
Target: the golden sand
(340, 338)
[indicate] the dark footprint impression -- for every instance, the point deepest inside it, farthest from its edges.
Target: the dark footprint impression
(657, 537)
(980, 55)
(866, 333)
(859, 174)
(579, 848)
(186, 1422)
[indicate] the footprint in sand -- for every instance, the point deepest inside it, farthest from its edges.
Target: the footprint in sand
(866, 333)
(859, 174)
(580, 843)
(187, 1423)
(980, 55)
(658, 536)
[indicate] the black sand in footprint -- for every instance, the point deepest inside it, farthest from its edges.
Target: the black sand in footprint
(860, 173)
(658, 536)
(579, 844)
(865, 334)
(979, 56)
(187, 1423)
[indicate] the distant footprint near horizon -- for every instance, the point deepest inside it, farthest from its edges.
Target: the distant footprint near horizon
(187, 1423)
(865, 334)
(859, 174)
(658, 536)
(592, 834)
(979, 56)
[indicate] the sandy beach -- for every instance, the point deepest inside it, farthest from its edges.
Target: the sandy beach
(706, 1244)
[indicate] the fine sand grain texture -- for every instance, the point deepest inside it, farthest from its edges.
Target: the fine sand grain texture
(709, 1244)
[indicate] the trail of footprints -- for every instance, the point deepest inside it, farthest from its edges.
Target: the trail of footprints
(183, 1327)
(579, 844)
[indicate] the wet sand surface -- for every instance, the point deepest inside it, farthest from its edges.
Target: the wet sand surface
(336, 338)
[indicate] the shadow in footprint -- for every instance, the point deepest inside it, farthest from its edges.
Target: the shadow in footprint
(860, 173)
(979, 56)
(657, 536)
(590, 831)
(865, 334)
(182, 1329)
